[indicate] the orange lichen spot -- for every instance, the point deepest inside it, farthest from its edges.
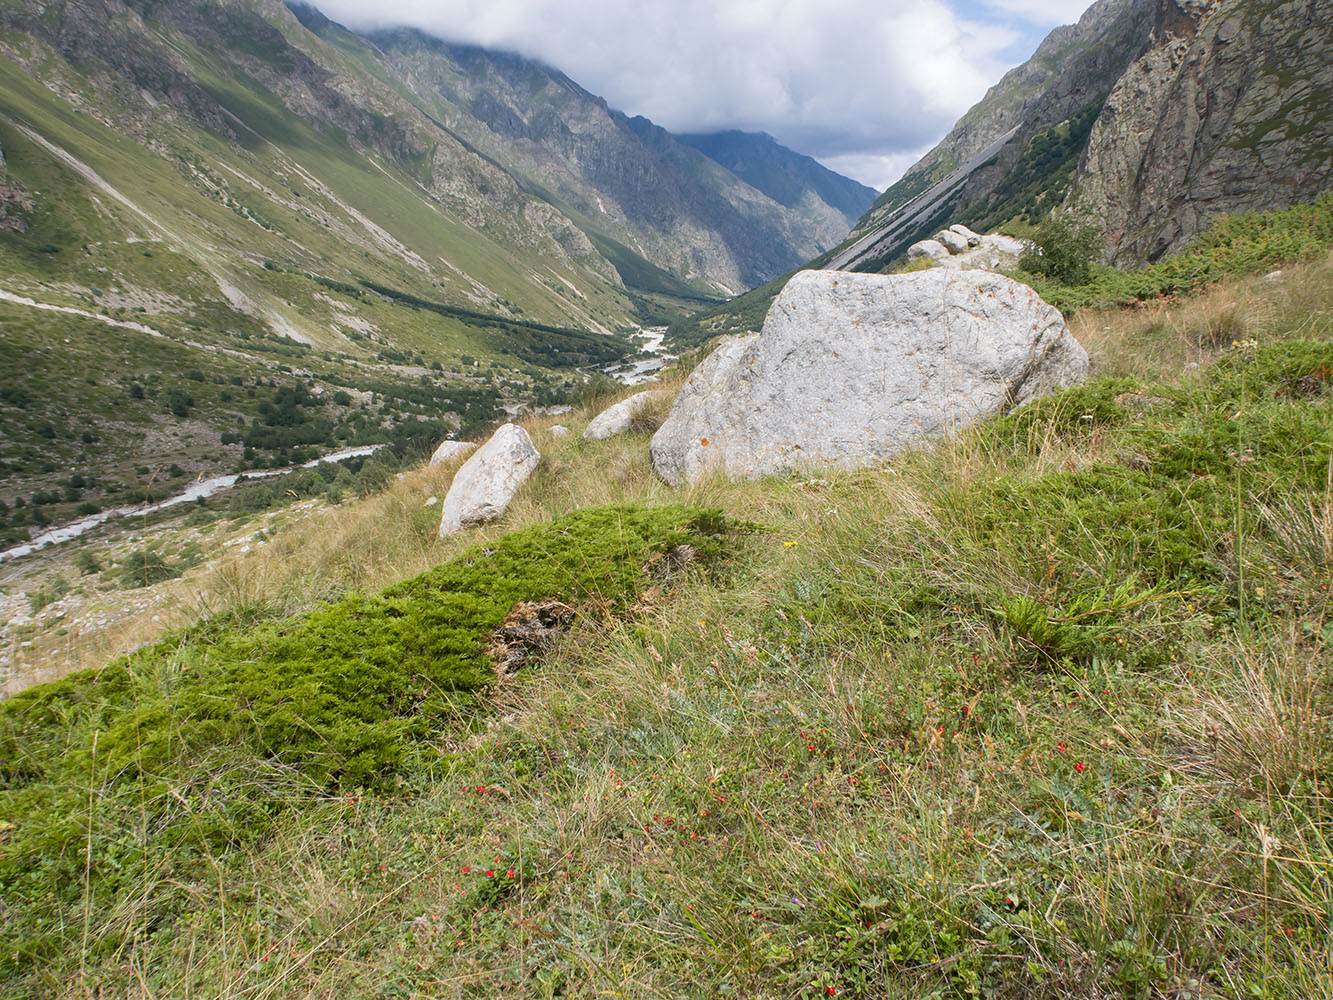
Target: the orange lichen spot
(704, 442)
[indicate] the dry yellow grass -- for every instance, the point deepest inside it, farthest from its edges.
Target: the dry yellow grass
(1161, 338)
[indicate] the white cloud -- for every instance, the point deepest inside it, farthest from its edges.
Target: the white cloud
(878, 170)
(857, 82)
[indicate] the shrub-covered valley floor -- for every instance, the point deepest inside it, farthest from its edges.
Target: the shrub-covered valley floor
(1041, 711)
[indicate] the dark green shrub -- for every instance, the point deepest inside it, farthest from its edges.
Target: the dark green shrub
(86, 562)
(1063, 247)
(145, 568)
(179, 402)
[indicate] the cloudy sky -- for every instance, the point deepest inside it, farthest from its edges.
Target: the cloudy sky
(865, 86)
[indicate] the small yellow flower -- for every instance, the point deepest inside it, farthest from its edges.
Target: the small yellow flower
(790, 544)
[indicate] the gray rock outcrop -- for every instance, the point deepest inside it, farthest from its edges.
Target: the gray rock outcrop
(448, 451)
(933, 249)
(487, 482)
(619, 418)
(973, 239)
(1227, 111)
(850, 369)
(993, 252)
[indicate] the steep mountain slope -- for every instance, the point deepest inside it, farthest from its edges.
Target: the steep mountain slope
(786, 177)
(505, 151)
(218, 253)
(623, 180)
(1015, 151)
(1230, 110)
(290, 214)
(1154, 115)
(238, 137)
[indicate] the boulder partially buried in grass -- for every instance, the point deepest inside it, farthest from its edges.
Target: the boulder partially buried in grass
(448, 451)
(487, 482)
(619, 418)
(852, 368)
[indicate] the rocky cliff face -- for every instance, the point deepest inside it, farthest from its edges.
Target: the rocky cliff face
(1154, 115)
(1074, 66)
(1014, 152)
(788, 178)
(1230, 109)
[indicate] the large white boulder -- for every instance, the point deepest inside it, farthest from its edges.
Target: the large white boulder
(448, 451)
(973, 239)
(619, 418)
(952, 241)
(851, 368)
(933, 249)
(484, 486)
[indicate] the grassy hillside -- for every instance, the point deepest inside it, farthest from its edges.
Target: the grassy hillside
(225, 307)
(1042, 711)
(1037, 712)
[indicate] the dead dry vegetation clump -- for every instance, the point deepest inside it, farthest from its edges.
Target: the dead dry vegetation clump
(1040, 711)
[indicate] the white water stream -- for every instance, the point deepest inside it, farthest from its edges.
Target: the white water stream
(639, 372)
(197, 490)
(634, 373)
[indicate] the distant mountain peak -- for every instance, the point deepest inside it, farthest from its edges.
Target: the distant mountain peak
(781, 173)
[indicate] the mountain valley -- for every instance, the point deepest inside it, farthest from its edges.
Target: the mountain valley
(958, 629)
(236, 235)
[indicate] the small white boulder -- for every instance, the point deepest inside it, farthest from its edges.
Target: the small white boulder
(487, 482)
(619, 418)
(559, 430)
(933, 249)
(451, 450)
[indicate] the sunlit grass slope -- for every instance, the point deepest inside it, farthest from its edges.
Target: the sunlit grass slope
(1040, 711)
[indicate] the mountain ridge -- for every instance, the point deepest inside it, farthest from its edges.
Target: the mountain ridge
(783, 175)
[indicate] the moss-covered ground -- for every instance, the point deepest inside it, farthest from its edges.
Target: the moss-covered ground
(199, 743)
